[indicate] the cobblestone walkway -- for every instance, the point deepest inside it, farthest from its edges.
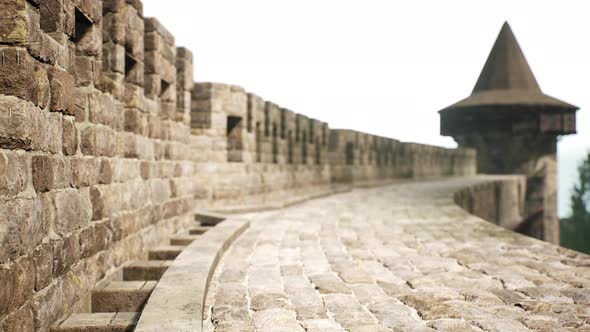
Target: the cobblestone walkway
(396, 258)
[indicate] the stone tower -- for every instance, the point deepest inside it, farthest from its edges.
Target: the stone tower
(514, 127)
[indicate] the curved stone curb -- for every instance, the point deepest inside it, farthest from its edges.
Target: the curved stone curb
(177, 302)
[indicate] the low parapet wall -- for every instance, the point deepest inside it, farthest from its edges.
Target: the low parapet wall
(247, 147)
(497, 199)
(107, 146)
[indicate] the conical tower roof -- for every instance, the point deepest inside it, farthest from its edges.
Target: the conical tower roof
(507, 80)
(506, 67)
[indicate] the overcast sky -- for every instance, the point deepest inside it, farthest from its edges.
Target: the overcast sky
(384, 67)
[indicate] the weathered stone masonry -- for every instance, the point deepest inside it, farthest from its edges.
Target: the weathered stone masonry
(106, 146)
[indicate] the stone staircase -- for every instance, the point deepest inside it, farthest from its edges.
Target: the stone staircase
(117, 304)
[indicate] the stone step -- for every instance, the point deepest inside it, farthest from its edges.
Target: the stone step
(122, 296)
(145, 270)
(99, 322)
(199, 230)
(183, 240)
(165, 253)
(208, 218)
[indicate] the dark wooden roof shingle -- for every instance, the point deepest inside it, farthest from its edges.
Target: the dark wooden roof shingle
(507, 80)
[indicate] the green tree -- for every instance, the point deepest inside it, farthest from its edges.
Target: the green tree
(575, 231)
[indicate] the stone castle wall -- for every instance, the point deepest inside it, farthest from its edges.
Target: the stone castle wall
(107, 146)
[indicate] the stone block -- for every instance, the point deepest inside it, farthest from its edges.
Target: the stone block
(103, 198)
(47, 306)
(90, 8)
(154, 127)
(80, 103)
(96, 322)
(153, 41)
(184, 69)
(40, 88)
(183, 240)
(135, 74)
(23, 282)
(125, 170)
(152, 84)
(168, 93)
(89, 43)
(54, 132)
(52, 15)
(62, 85)
(134, 32)
(98, 141)
(183, 101)
(147, 150)
(154, 63)
(430, 308)
(69, 26)
(133, 96)
(50, 172)
(85, 171)
(13, 22)
(175, 208)
(164, 253)
(83, 69)
(140, 196)
(199, 230)
(168, 72)
(103, 109)
(153, 25)
(113, 58)
(43, 262)
(127, 146)
(113, 6)
(24, 126)
(112, 83)
(209, 218)
(106, 173)
(73, 210)
(145, 270)
(87, 245)
(182, 187)
(113, 26)
(103, 235)
(122, 296)
(137, 4)
(136, 122)
(17, 70)
(66, 252)
(329, 284)
(148, 169)
(22, 228)
(14, 172)
(69, 136)
(159, 191)
(99, 322)
(266, 301)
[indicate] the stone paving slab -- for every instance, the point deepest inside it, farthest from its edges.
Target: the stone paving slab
(402, 257)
